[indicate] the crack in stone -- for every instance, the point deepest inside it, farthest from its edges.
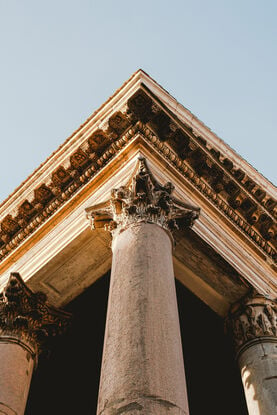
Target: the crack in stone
(270, 377)
(139, 406)
(163, 402)
(130, 407)
(6, 410)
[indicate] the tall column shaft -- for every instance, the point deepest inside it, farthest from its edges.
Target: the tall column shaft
(16, 368)
(258, 365)
(142, 367)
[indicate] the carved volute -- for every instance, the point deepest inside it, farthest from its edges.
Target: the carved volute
(142, 200)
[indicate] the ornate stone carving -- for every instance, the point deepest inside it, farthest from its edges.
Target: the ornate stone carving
(27, 316)
(140, 106)
(213, 174)
(253, 318)
(142, 200)
(9, 225)
(79, 160)
(98, 142)
(118, 123)
(61, 178)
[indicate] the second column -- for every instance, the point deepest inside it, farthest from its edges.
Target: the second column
(142, 367)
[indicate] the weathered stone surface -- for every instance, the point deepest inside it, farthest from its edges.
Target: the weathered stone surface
(142, 368)
(258, 365)
(16, 368)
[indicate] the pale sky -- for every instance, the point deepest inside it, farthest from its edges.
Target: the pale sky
(60, 60)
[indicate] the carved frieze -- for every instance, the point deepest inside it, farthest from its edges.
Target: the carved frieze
(140, 106)
(98, 142)
(61, 178)
(253, 318)
(27, 316)
(42, 196)
(9, 226)
(212, 173)
(79, 160)
(118, 123)
(143, 200)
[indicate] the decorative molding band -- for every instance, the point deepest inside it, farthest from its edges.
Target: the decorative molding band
(246, 205)
(27, 317)
(211, 194)
(16, 340)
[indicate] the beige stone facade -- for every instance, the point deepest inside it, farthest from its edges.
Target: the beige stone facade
(172, 200)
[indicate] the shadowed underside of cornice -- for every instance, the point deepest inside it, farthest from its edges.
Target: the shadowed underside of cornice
(237, 196)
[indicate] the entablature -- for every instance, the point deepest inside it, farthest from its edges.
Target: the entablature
(238, 212)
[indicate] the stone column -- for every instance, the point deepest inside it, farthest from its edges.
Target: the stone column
(254, 325)
(26, 320)
(142, 367)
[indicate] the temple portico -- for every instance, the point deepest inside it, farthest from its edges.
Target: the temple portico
(145, 194)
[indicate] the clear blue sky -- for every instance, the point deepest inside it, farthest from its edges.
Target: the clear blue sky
(60, 60)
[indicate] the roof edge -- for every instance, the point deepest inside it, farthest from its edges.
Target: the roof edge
(129, 87)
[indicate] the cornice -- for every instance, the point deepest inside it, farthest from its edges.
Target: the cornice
(59, 156)
(199, 129)
(212, 173)
(212, 195)
(136, 81)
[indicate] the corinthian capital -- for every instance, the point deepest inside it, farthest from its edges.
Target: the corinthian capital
(142, 200)
(253, 319)
(27, 316)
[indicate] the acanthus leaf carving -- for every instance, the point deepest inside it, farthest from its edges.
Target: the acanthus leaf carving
(27, 316)
(142, 200)
(252, 318)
